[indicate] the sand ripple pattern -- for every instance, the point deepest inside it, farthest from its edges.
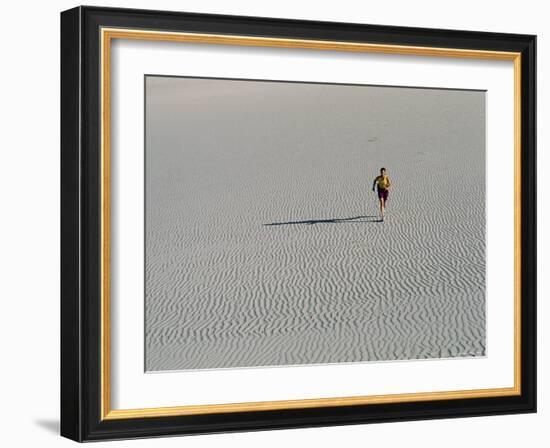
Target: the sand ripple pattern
(262, 246)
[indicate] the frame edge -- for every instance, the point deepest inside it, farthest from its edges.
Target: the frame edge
(71, 379)
(529, 222)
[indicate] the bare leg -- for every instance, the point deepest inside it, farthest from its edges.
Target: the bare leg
(382, 207)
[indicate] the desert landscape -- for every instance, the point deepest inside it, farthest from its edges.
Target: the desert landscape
(263, 242)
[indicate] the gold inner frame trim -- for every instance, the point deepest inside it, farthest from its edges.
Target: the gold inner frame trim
(107, 35)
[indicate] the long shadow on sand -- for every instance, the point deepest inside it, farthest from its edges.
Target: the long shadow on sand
(355, 219)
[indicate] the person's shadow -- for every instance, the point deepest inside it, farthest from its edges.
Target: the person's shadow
(354, 219)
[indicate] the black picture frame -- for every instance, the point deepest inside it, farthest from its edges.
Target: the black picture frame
(81, 413)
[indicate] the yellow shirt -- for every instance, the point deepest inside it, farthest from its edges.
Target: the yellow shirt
(383, 182)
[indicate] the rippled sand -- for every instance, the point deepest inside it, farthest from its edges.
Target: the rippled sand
(262, 241)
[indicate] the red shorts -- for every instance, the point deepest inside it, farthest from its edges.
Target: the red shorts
(383, 194)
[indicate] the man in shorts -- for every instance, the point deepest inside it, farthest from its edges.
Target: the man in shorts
(382, 183)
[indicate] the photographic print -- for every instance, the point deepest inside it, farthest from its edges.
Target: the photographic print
(274, 224)
(296, 223)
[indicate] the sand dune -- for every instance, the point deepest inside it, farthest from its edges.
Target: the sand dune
(262, 240)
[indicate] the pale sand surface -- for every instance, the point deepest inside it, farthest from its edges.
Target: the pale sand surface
(325, 283)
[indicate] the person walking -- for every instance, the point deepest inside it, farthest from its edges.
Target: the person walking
(382, 183)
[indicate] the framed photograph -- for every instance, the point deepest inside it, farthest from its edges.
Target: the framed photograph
(273, 223)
